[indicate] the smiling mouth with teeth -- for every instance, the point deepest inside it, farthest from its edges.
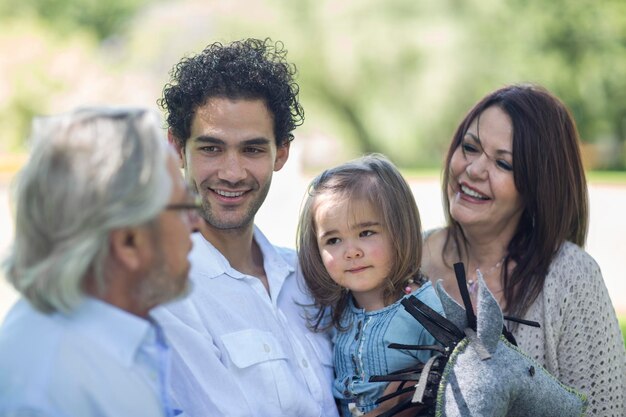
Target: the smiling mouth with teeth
(229, 194)
(467, 191)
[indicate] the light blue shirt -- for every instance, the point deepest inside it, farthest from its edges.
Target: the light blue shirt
(97, 361)
(362, 350)
(239, 351)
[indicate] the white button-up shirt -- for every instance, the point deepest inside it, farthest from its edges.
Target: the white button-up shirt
(97, 361)
(238, 351)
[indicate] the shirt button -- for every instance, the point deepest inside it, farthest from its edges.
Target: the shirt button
(305, 364)
(266, 347)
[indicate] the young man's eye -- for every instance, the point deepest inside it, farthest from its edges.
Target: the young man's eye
(254, 150)
(504, 165)
(210, 149)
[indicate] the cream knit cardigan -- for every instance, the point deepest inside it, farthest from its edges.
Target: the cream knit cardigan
(579, 341)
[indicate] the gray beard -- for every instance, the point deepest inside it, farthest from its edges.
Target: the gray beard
(159, 287)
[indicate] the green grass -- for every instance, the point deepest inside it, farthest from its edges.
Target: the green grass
(610, 177)
(622, 325)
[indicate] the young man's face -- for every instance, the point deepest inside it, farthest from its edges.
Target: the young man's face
(230, 157)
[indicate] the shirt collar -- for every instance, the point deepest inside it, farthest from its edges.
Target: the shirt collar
(207, 262)
(117, 331)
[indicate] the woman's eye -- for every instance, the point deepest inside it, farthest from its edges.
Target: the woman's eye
(467, 148)
(504, 165)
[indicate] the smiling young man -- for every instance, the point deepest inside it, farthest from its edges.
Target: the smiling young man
(241, 346)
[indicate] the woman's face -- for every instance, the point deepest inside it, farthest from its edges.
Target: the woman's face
(481, 188)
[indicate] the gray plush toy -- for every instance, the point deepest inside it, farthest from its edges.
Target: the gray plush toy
(477, 371)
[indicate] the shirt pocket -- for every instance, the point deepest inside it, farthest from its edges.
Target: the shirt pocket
(251, 346)
(262, 368)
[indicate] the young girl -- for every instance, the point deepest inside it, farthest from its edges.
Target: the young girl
(360, 248)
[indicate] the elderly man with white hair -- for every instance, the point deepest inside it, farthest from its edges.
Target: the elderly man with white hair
(102, 234)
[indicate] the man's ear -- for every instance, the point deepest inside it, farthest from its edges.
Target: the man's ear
(282, 154)
(124, 247)
(180, 150)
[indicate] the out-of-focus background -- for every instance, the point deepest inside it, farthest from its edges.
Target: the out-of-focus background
(392, 76)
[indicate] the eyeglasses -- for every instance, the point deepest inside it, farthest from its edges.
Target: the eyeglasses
(190, 209)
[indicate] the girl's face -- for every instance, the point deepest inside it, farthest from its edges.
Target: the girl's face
(482, 189)
(355, 247)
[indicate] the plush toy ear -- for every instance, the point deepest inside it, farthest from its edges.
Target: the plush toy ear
(489, 321)
(454, 312)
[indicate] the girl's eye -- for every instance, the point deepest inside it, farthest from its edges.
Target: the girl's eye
(366, 233)
(332, 241)
(504, 165)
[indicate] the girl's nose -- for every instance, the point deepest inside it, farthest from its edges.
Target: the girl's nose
(354, 252)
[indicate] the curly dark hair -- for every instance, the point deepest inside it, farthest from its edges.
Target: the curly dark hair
(247, 69)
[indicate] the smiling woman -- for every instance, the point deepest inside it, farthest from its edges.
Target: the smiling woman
(515, 199)
(481, 190)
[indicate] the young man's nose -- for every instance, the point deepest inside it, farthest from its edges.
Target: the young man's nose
(231, 169)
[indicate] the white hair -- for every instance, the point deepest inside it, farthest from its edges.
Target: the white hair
(90, 171)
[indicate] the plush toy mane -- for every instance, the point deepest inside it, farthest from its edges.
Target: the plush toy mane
(478, 370)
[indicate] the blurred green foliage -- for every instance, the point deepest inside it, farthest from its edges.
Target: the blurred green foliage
(393, 76)
(396, 76)
(576, 49)
(103, 17)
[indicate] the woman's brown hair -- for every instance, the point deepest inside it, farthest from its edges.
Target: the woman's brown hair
(550, 179)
